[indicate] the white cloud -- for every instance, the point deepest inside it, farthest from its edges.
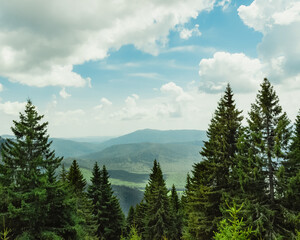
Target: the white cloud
(12, 108)
(176, 91)
(279, 21)
(187, 33)
(146, 75)
(264, 15)
(64, 94)
(131, 111)
(224, 4)
(40, 48)
(1, 87)
(289, 15)
(243, 73)
(104, 102)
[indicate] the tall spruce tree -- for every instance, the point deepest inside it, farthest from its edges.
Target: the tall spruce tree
(158, 222)
(249, 181)
(110, 218)
(130, 220)
(176, 215)
(140, 216)
(85, 221)
(35, 203)
(94, 190)
(271, 125)
(210, 181)
(289, 190)
(271, 129)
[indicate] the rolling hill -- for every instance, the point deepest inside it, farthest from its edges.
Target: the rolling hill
(138, 157)
(69, 148)
(129, 158)
(157, 136)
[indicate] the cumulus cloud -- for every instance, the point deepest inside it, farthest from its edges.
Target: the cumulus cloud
(12, 108)
(131, 111)
(263, 16)
(243, 73)
(40, 48)
(173, 101)
(104, 102)
(64, 94)
(279, 50)
(224, 4)
(187, 33)
(179, 94)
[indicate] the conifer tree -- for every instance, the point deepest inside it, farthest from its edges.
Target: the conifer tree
(110, 218)
(270, 126)
(176, 215)
(289, 190)
(273, 130)
(63, 174)
(76, 182)
(249, 180)
(233, 228)
(94, 190)
(140, 216)
(75, 178)
(130, 220)
(210, 181)
(27, 172)
(157, 220)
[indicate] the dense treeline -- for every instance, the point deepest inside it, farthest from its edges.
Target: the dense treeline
(35, 203)
(246, 187)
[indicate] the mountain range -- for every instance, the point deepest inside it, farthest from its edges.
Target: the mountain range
(129, 158)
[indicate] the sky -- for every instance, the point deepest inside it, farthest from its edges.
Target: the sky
(107, 68)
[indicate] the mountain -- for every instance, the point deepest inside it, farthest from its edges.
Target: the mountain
(92, 139)
(130, 164)
(68, 148)
(138, 157)
(157, 136)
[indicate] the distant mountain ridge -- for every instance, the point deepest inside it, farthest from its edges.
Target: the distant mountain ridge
(158, 136)
(70, 148)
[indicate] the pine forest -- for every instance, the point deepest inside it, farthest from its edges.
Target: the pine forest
(246, 185)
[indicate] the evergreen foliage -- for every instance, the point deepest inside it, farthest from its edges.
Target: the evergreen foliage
(257, 167)
(106, 208)
(76, 179)
(130, 220)
(210, 181)
(233, 228)
(140, 216)
(157, 219)
(76, 183)
(270, 130)
(176, 215)
(63, 174)
(32, 201)
(289, 190)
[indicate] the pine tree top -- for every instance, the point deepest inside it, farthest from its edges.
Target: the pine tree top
(75, 178)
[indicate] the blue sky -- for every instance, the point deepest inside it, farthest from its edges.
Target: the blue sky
(104, 69)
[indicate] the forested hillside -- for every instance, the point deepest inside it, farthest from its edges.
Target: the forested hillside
(245, 184)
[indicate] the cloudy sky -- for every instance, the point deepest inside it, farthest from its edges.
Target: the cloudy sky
(106, 68)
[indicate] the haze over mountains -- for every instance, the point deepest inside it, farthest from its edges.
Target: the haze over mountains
(130, 157)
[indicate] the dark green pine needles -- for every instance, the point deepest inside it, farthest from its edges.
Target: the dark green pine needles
(106, 208)
(34, 201)
(210, 182)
